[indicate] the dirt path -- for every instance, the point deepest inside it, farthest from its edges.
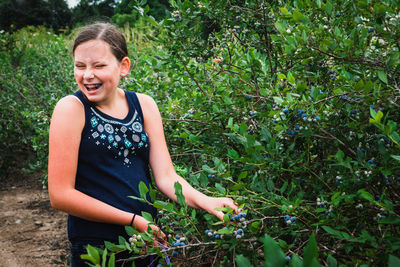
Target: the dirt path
(32, 233)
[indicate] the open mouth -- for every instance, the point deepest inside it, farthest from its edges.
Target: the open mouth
(92, 87)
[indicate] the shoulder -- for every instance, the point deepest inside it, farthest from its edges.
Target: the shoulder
(147, 103)
(69, 102)
(69, 109)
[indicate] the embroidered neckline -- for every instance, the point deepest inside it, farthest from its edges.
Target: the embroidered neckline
(113, 121)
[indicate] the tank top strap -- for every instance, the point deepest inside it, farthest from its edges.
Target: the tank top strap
(78, 94)
(134, 101)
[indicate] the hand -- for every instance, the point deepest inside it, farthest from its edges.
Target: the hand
(219, 202)
(160, 239)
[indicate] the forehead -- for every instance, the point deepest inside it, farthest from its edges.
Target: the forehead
(93, 50)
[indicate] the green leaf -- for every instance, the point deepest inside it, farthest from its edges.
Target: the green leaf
(152, 194)
(331, 261)
(278, 100)
(111, 260)
(242, 261)
(104, 258)
(382, 76)
(280, 27)
(338, 234)
(273, 254)
(143, 190)
(178, 193)
(281, 76)
(396, 157)
(299, 17)
(284, 11)
(226, 218)
(207, 169)
(390, 220)
(147, 216)
(340, 156)
(366, 195)
(360, 85)
(224, 231)
(89, 258)
(220, 188)
(129, 230)
(328, 7)
(296, 261)
(92, 251)
(310, 252)
(233, 154)
(393, 261)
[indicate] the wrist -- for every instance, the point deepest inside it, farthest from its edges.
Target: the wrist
(202, 202)
(141, 223)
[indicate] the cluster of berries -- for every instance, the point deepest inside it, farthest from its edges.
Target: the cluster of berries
(379, 216)
(321, 203)
(289, 219)
(324, 203)
(176, 14)
(239, 222)
(135, 239)
(213, 234)
(239, 233)
(179, 241)
(332, 75)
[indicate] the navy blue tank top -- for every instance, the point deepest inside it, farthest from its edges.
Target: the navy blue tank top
(113, 159)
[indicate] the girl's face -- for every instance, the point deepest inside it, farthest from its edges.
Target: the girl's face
(97, 71)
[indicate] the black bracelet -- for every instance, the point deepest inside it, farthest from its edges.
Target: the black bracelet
(133, 218)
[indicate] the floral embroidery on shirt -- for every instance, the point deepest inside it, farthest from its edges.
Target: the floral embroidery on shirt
(124, 138)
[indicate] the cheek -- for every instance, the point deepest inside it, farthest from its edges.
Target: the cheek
(77, 75)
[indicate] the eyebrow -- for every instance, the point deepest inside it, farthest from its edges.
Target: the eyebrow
(94, 63)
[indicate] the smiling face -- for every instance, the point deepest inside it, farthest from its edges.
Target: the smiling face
(97, 71)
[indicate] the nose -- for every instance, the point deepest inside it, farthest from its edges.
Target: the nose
(88, 74)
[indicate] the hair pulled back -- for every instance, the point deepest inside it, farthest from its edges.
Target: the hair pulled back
(107, 33)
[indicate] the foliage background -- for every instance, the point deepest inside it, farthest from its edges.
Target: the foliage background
(289, 107)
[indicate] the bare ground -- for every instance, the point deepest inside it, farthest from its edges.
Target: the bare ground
(32, 233)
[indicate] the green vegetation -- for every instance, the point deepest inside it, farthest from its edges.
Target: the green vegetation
(289, 107)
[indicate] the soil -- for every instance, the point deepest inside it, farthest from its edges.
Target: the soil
(32, 233)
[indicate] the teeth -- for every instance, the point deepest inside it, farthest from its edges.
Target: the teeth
(93, 86)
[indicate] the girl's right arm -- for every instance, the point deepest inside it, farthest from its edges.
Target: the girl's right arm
(66, 127)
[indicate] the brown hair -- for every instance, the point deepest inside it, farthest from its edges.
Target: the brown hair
(107, 33)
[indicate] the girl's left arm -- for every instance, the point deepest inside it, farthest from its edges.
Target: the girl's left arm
(163, 169)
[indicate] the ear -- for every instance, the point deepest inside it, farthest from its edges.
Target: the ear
(125, 65)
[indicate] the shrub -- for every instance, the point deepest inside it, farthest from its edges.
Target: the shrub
(289, 108)
(36, 71)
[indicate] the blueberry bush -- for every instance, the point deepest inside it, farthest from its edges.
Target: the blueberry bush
(288, 107)
(35, 72)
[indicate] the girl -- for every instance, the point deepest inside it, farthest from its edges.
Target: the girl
(102, 140)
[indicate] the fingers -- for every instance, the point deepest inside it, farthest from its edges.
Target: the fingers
(228, 202)
(232, 205)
